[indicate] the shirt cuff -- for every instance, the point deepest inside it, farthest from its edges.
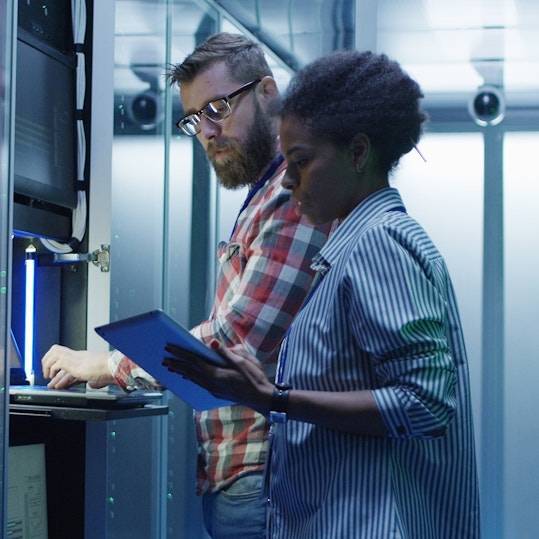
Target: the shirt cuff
(392, 412)
(115, 360)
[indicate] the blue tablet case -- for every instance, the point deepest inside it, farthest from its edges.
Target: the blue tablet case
(142, 338)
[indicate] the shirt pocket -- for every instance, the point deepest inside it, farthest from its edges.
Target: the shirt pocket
(231, 259)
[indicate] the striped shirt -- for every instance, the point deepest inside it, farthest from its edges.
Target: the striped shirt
(263, 278)
(384, 317)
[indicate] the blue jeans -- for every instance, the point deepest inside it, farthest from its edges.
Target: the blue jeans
(237, 511)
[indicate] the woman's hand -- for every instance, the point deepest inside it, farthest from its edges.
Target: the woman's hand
(241, 379)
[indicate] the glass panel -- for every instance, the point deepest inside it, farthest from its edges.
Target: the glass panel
(137, 237)
(137, 224)
(295, 31)
(138, 157)
(521, 192)
(162, 211)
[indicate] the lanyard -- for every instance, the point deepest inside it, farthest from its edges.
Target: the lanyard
(257, 186)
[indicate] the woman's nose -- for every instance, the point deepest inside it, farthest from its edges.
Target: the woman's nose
(287, 182)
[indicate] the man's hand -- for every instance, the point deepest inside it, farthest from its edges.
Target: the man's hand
(66, 367)
(241, 380)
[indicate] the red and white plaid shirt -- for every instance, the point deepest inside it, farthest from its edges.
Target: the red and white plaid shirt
(264, 276)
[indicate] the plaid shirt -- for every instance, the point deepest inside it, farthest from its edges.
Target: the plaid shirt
(264, 275)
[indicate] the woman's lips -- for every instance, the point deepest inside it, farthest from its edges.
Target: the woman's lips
(299, 206)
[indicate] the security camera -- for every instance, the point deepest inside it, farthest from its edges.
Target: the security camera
(145, 110)
(487, 106)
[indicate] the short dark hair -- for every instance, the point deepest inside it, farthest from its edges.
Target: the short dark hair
(348, 92)
(244, 59)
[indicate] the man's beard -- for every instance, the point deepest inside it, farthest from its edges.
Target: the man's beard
(245, 162)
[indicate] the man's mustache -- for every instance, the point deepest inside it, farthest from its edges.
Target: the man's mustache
(221, 145)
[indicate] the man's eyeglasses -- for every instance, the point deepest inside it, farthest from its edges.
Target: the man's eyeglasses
(216, 111)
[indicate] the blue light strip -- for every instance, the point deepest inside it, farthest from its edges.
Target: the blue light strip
(30, 267)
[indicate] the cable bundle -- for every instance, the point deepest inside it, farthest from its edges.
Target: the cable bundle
(78, 9)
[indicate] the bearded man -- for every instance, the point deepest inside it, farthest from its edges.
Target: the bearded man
(227, 90)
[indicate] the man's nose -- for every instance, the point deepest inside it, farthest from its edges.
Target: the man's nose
(209, 129)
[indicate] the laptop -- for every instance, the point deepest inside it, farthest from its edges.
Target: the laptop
(143, 338)
(110, 398)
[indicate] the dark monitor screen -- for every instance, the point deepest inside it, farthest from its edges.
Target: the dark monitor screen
(45, 126)
(49, 22)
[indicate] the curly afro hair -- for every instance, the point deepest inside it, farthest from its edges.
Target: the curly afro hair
(348, 92)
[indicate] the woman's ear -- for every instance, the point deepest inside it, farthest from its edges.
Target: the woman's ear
(360, 148)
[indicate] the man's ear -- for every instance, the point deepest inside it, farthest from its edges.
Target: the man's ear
(267, 88)
(360, 148)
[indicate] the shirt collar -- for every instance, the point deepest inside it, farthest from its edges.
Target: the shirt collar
(384, 200)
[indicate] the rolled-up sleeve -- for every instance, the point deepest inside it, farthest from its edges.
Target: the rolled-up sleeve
(402, 317)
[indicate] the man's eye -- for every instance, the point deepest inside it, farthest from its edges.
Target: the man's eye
(218, 107)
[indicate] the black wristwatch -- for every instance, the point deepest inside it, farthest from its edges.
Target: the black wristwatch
(279, 403)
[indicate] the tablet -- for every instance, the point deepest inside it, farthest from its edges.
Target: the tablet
(142, 338)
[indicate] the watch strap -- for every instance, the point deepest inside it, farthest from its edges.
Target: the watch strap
(279, 401)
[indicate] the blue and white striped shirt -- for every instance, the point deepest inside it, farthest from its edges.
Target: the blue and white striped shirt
(384, 317)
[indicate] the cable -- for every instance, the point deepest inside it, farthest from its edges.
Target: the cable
(78, 218)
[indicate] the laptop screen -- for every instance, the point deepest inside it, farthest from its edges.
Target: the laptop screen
(17, 376)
